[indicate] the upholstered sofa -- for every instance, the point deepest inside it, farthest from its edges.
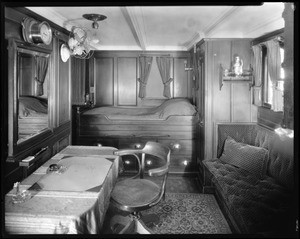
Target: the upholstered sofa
(253, 179)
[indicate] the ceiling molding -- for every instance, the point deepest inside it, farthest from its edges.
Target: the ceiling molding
(115, 48)
(50, 14)
(275, 20)
(195, 38)
(219, 20)
(135, 24)
(166, 48)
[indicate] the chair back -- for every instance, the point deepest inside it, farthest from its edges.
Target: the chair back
(153, 149)
(160, 151)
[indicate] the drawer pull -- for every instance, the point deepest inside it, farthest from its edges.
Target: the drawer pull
(41, 151)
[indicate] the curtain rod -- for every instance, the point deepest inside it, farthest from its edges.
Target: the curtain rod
(279, 39)
(269, 37)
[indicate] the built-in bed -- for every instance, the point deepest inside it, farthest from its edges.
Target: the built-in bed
(33, 115)
(173, 123)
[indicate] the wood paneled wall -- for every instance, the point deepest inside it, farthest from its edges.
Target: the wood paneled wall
(64, 89)
(78, 79)
(59, 98)
(233, 102)
(113, 78)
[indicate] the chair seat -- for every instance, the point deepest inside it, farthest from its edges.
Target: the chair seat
(135, 192)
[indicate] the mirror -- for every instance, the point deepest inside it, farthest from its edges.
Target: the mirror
(33, 78)
(29, 77)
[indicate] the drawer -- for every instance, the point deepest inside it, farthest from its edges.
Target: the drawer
(177, 146)
(94, 141)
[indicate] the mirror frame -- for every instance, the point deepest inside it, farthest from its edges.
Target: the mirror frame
(17, 151)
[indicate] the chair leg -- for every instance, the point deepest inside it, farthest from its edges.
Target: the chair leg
(132, 223)
(118, 222)
(141, 228)
(150, 220)
(129, 228)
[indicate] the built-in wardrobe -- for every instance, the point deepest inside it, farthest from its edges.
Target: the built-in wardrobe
(220, 98)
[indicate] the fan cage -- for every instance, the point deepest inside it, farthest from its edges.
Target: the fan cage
(78, 43)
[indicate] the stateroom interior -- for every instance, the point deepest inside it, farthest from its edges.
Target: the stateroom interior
(146, 119)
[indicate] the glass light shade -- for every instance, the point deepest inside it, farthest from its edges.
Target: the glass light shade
(95, 25)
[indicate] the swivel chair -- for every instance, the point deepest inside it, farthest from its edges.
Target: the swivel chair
(137, 194)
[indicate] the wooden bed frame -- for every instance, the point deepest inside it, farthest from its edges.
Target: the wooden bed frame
(174, 131)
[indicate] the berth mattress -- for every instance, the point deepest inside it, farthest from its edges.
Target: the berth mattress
(168, 108)
(174, 122)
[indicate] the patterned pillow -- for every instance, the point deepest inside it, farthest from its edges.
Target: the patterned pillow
(245, 156)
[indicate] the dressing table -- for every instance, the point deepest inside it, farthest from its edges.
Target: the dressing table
(72, 201)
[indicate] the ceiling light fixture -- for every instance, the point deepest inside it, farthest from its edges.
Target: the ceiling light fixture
(95, 18)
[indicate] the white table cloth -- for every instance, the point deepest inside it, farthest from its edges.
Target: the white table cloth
(72, 202)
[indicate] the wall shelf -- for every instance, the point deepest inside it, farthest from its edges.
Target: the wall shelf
(230, 77)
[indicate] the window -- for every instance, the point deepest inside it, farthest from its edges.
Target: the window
(272, 75)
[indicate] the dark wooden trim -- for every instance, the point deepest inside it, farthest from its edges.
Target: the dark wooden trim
(267, 36)
(203, 40)
(42, 140)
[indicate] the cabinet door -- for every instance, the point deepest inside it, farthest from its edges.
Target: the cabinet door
(181, 82)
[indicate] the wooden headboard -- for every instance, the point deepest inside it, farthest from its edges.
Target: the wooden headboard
(113, 79)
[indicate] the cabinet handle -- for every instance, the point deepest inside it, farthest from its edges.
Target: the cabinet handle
(41, 151)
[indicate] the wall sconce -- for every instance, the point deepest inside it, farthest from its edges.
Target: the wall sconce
(187, 68)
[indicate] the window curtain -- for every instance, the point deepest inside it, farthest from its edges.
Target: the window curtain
(274, 64)
(145, 67)
(41, 71)
(164, 66)
(257, 70)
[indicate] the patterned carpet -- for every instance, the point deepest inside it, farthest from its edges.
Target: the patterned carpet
(185, 213)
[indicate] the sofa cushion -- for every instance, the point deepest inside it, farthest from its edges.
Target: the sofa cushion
(248, 157)
(281, 160)
(258, 205)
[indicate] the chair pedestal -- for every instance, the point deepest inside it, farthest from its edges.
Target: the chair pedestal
(138, 194)
(133, 223)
